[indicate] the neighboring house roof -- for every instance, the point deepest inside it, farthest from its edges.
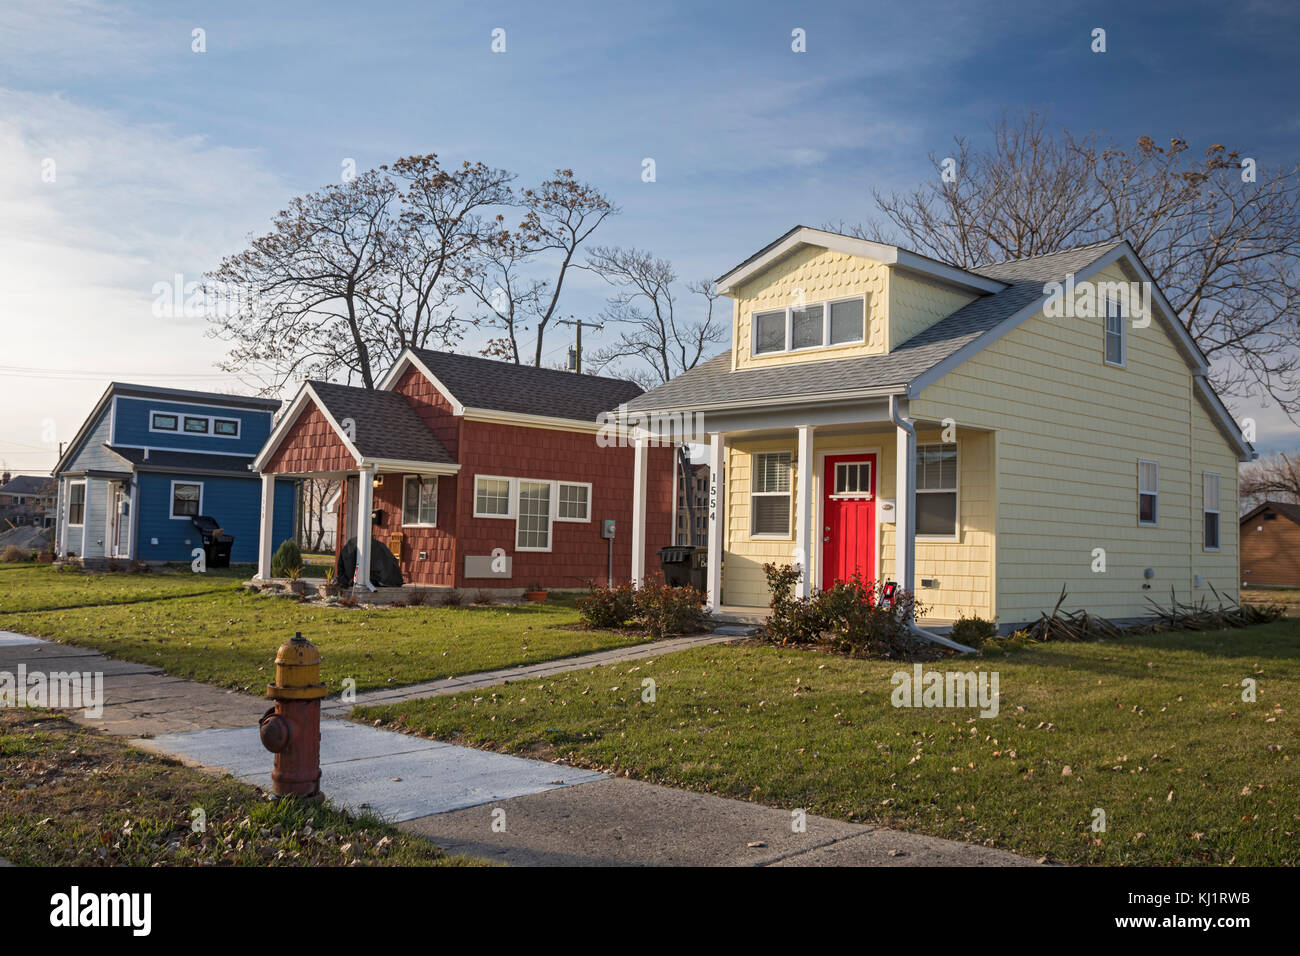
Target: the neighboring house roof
(167, 394)
(374, 426)
(479, 383)
(28, 485)
(1284, 508)
(933, 352)
(188, 462)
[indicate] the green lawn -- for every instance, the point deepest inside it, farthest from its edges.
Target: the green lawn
(77, 797)
(209, 628)
(1153, 731)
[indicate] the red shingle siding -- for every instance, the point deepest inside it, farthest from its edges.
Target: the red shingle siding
(311, 444)
(1271, 555)
(434, 410)
(578, 553)
(439, 544)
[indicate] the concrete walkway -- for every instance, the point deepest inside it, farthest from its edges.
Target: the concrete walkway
(524, 812)
(454, 685)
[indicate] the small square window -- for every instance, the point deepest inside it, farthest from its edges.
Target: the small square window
(186, 499)
(573, 503)
(769, 332)
(492, 497)
(806, 327)
(847, 322)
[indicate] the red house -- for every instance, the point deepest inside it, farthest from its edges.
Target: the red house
(478, 474)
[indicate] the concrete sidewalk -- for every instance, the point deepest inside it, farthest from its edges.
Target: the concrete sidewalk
(525, 812)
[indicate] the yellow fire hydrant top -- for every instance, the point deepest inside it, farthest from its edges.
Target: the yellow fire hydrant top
(297, 671)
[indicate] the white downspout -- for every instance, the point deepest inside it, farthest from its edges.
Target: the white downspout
(905, 511)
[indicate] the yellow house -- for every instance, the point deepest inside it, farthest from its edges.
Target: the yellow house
(982, 436)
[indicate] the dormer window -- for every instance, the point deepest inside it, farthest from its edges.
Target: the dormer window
(811, 326)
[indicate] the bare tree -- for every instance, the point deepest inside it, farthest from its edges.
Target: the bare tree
(1221, 237)
(316, 493)
(350, 276)
(662, 343)
(559, 216)
(1272, 478)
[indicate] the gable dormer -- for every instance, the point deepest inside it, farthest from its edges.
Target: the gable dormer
(814, 295)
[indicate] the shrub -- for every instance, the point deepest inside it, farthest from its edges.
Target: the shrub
(13, 554)
(483, 597)
(973, 631)
(453, 598)
(416, 598)
(287, 557)
(664, 610)
(850, 616)
(607, 607)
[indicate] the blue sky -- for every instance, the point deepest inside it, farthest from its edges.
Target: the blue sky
(167, 159)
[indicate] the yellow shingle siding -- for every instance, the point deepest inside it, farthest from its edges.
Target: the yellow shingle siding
(963, 570)
(915, 304)
(1070, 431)
(820, 275)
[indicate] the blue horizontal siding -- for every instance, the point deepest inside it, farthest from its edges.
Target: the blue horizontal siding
(235, 503)
(131, 427)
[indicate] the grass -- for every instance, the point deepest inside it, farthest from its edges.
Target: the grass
(1153, 731)
(1271, 595)
(71, 796)
(213, 630)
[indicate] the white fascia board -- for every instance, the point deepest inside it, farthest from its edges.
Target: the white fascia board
(1223, 419)
(411, 467)
(84, 430)
(305, 394)
(815, 398)
(407, 359)
(525, 420)
(864, 248)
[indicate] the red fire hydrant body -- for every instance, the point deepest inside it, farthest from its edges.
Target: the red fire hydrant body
(291, 729)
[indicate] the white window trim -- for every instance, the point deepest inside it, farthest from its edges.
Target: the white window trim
(1121, 314)
(577, 484)
(420, 524)
(171, 499)
(1218, 493)
(84, 492)
(788, 347)
(789, 494)
(955, 491)
(180, 424)
(550, 515)
(510, 496)
(1154, 492)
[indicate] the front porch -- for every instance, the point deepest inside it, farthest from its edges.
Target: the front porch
(822, 488)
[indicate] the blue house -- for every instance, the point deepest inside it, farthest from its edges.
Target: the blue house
(148, 461)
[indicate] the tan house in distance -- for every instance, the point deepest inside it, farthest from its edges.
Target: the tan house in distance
(1270, 545)
(983, 436)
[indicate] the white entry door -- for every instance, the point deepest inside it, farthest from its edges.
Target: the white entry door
(121, 505)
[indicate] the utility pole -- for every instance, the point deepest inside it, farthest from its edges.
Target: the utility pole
(575, 356)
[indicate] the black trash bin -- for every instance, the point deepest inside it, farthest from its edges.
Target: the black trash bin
(216, 543)
(683, 565)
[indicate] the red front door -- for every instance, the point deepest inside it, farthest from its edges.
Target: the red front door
(849, 509)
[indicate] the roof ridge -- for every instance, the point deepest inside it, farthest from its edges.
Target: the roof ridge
(1058, 252)
(576, 376)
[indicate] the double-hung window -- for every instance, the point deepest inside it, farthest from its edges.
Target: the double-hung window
(533, 525)
(936, 490)
(1148, 492)
(77, 503)
(1115, 343)
(769, 495)
(187, 499)
(420, 501)
(1210, 505)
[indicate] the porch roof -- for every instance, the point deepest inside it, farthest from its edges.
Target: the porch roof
(386, 426)
(714, 383)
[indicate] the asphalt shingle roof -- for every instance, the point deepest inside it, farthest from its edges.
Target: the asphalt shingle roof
(525, 389)
(184, 461)
(386, 426)
(713, 382)
(28, 485)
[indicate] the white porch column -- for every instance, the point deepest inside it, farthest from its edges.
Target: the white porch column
(640, 477)
(803, 511)
(905, 509)
(365, 504)
(266, 536)
(717, 520)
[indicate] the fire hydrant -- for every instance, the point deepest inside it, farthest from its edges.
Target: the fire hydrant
(291, 729)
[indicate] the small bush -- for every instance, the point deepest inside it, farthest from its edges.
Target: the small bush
(453, 598)
(607, 607)
(13, 554)
(851, 616)
(664, 610)
(417, 597)
(287, 557)
(484, 597)
(973, 631)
